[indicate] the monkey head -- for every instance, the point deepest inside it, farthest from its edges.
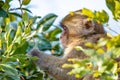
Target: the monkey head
(77, 25)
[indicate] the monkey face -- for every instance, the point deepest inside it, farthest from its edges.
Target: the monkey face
(64, 36)
(79, 25)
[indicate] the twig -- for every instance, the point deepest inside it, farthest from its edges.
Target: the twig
(111, 29)
(20, 6)
(21, 11)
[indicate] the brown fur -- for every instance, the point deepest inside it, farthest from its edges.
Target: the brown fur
(77, 31)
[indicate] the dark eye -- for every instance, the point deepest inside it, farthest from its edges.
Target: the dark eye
(63, 26)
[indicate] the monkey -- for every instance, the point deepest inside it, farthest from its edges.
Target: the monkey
(77, 30)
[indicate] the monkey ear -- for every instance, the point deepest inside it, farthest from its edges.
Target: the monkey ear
(94, 26)
(89, 24)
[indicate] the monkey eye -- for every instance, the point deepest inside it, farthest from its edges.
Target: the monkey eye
(63, 27)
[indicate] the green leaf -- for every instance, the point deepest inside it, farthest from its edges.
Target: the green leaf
(19, 31)
(16, 14)
(116, 52)
(3, 13)
(21, 49)
(99, 16)
(114, 7)
(57, 50)
(9, 37)
(89, 52)
(34, 19)
(6, 5)
(27, 30)
(1, 3)
(25, 18)
(10, 71)
(6, 59)
(12, 17)
(109, 64)
(79, 48)
(27, 10)
(25, 2)
(88, 44)
(45, 23)
(78, 76)
(96, 74)
(102, 42)
(67, 66)
(100, 51)
(117, 10)
(110, 4)
(44, 44)
(88, 12)
(52, 35)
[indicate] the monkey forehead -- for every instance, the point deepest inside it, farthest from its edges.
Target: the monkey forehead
(75, 18)
(75, 22)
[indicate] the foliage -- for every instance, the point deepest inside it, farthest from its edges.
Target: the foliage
(103, 61)
(114, 6)
(98, 63)
(19, 33)
(99, 16)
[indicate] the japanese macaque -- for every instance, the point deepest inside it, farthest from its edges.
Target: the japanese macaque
(77, 31)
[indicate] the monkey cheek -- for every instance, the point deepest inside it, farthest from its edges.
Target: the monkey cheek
(63, 41)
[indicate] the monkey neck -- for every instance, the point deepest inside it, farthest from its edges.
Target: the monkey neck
(70, 47)
(80, 41)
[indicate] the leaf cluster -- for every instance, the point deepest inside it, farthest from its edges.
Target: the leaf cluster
(19, 33)
(98, 16)
(114, 6)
